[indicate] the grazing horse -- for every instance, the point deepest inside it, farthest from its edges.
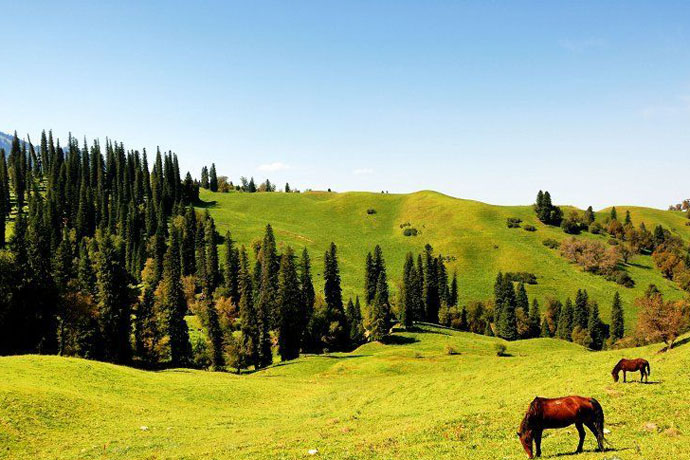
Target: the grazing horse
(632, 365)
(546, 413)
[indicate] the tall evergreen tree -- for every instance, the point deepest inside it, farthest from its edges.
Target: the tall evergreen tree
(248, 317)
(596, 328)
(432, 301)
(453, 296)
(335, 312)
(213, 179)
(534, 319)
(204, 178)
(291, 324)
(232, 269)
(174, 305)
(353, 312)
(409, 296)
(565, 321)
(378, 323)
(581, 310)
(589, 215)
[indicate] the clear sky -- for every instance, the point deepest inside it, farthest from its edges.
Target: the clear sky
(488, 100)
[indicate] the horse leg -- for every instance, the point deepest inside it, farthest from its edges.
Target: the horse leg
(597, 434)
(624, 381)
(537, 442)
(581, 432)
(641, 375)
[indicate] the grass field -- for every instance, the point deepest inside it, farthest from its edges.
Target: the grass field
(474, 233)
(407, 400)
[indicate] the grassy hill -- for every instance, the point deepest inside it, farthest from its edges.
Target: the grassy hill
(407, 400)
(473, 233)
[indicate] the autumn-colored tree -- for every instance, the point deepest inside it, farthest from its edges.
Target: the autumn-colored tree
(660, 319)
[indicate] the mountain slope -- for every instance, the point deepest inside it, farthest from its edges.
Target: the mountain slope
(411, 400)
(473, 234)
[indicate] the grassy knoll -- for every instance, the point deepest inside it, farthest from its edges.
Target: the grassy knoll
(406, 400)
(473, 233)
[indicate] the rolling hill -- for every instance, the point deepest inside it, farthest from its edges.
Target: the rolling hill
(473, 234)
(409, 399)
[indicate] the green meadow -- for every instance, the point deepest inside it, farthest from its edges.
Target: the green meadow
(473, 234)
(410, 399)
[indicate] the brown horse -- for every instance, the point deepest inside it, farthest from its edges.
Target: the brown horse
(632, 365)
(559, 413)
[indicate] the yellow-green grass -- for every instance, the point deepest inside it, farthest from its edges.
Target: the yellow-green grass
(473, 233)
(410, 400)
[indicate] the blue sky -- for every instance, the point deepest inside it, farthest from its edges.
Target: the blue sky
(483, 100)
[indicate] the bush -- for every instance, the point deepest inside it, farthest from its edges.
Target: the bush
(613, 242)
(513, 222)
(451, 350)
(595, 228)
(409, 231)
(530, 228)
(551, 243)
(623, 278)
(501, 349)
(370, 210)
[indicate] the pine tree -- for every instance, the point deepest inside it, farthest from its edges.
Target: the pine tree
(232, 270)
(628, 220)
(204, 178)
(291, 324)
(596, 328)
(431, 295)
(565, 321)
(113, 301)
(617, 322)
(306, 286)
(581, 310)
(335, 313)
(378, 323)
(370, 279)
(174, 305)
(215, 335)
(507, 322)
(589, 215)
(213, 179)
(248, 317)
(409, 291)
(353, 312)
(211, 274)
(614, 214)
(521, 300)
(545, 331)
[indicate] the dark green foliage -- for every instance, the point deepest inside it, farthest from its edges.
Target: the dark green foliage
(232, 270)
(530, 228)
(565, 321)
(506, 302)
(521, 277)
(213, 179)
(513, 222)
(354, 320)
(379, 324)
(174, 305)
(551, 243)
(453, 293)
(204, 178)
(596, 328)
(546, 211)
(291, 321)
(113, 301)
(337, 336)
(617, 322)
(581, 310)
(266, 305)
(410, 231)
(248, 316)
(432, 300)
(534, 319)
(410, 295)
(614, 214)
(589, 216)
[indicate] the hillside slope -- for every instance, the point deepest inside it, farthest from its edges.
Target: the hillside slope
(408, 400)
(474, 234)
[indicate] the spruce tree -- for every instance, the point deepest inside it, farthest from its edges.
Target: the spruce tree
(232, 269)
(431, 294)
(589, 215)
(596, 328)
(409, 291)
(174, 305)
(378, 322)
(213, 179)
(453, 295)
(614, 214)
(306, 286)
(249, 324)
(204, 178)
(617, 322)
(521, 300)
(291, 309)
(354, 320)
(215, 335)
(581, 310)
(211, 274)
(565, 321)
(335, 312)
(113, 301)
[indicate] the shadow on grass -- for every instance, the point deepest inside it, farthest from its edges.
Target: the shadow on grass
(608, 449)
(398, 340)
(342, 357)
(677, 344)
(205, 204)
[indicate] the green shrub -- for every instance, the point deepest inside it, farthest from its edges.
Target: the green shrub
(450, 350)
(501, 349)
(530, 228)
(551, 243)
(410, 231)
(513, 222)
(371, 211)
(595, 228)
(524, 277)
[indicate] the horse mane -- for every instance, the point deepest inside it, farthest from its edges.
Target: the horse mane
(534, 411)
(618, 365)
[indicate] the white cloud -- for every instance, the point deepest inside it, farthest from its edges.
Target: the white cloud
(363, 171)
(272, 167)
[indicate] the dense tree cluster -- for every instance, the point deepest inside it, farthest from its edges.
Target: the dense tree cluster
(546, 211)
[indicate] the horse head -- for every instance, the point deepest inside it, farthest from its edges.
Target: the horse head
(616, 370)
(524, 433)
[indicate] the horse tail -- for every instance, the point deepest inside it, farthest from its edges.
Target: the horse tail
(649, 369)
(599, 423)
